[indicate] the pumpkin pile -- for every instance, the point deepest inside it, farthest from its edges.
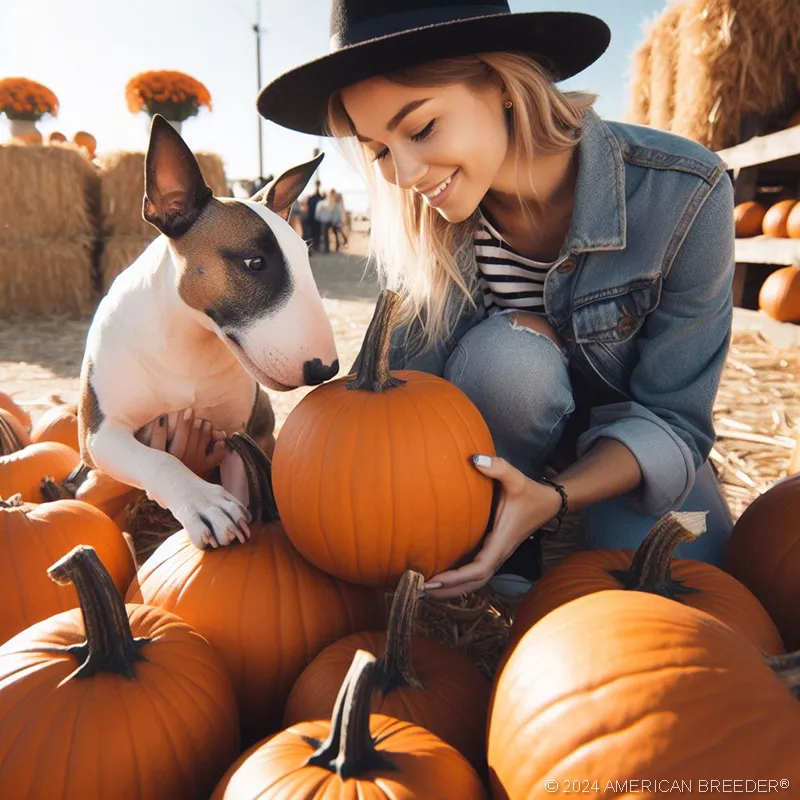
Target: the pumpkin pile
(269, 669)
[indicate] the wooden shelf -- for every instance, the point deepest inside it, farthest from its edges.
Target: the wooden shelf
(763, 149)
(767, 250)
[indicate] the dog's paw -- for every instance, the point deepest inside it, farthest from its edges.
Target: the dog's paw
(212, 517)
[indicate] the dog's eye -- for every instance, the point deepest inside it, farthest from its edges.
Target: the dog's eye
(255, 264)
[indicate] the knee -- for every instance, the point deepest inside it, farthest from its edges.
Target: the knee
(513, 367)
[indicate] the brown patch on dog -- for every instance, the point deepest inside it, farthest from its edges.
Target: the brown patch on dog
(204, 277)
(90, 416)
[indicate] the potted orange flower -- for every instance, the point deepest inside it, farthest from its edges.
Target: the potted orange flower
(25, 102)
(174, 95)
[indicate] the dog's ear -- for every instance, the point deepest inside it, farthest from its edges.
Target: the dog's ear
(279, 195)
(174, 188)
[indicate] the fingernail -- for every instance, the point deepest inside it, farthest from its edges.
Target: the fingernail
(432, 585)
(197, 423)
(187, 415)
(162, 421)
(482, 461)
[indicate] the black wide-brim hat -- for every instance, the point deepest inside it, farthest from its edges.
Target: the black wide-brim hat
(375, 37)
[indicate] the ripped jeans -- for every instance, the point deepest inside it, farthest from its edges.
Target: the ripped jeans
(519, 380)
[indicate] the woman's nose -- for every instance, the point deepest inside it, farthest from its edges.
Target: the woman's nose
(408, 171)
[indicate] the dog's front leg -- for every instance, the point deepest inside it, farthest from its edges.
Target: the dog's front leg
(209, 513)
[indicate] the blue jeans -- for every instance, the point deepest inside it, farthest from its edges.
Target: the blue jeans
(519, 380)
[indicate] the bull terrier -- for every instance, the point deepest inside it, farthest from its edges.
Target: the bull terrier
(222, 301)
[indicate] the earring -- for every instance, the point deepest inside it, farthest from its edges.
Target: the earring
(508, 104)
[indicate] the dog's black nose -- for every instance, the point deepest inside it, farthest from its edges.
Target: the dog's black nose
(315, 371)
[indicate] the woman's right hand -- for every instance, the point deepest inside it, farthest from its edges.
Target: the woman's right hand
(195, 442)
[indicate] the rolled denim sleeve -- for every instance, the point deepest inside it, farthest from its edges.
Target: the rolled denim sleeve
(682, 348)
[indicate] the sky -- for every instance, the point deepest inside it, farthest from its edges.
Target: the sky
(86, 52)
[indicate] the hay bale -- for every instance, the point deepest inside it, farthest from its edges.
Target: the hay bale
(117, 253)
(664, 47)
(736, 58)
(639, 104)
(122, 189)
(46, 276)
(46, 192)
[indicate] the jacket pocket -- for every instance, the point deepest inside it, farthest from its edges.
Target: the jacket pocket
(615, 316)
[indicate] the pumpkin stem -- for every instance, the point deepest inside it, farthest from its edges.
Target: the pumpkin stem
(52, 490)
(373, 373)
(14, 501)
(787, 668)
(349, 749)
(258, 468)
(109, 644)
(394, 667)
(651, 569)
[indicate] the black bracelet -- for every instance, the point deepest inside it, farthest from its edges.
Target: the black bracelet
(559, 518)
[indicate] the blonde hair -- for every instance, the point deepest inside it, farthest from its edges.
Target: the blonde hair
(427, 259)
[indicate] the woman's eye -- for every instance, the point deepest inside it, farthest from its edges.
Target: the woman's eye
(255, 264)
(425, 132)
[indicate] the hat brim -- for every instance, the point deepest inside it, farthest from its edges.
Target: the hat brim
(565, 42)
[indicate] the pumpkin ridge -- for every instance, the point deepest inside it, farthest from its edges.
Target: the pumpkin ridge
(457, 435)
(16, 567)
(166, 704)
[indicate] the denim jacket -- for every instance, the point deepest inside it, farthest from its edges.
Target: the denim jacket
(641, 296)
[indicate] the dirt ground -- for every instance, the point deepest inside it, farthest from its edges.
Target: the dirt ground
(42, 357)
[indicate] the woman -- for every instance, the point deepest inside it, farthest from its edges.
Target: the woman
(571, 276)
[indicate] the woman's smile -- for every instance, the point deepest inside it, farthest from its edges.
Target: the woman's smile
(439, 194)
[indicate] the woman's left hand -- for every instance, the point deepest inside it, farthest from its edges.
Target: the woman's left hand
(523, 507)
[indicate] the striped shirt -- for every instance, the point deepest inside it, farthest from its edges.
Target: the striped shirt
(508, 280)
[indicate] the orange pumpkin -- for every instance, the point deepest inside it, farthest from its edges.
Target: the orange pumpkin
(373, 473)
(107, 701)
(779, 296)
(58, 424)
(417, 680)
(622, 685)
(285, 610)
(652, 569)
(22, 472)
(776, 218)
(764, 554)
(13, 436)
(56, 137)
(86, 141)
(793, 222)
(748, 218)
(354, 755)
(20, 413)
(32, 537)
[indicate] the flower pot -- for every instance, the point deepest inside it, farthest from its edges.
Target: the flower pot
(25, 129)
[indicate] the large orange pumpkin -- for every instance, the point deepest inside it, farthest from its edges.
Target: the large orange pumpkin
(652, 569)
(417, 680)
(776, 218)
(748, 218)
(20, 413)
(13, 436)
(86, 141)
(353, 755)
(373, 473)
(266, 610)
(22, 472)
(793, 222)
(109, 701)
(617, 686)
(764, 554)
(58, 424)
(779, 296)
(32, 537)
